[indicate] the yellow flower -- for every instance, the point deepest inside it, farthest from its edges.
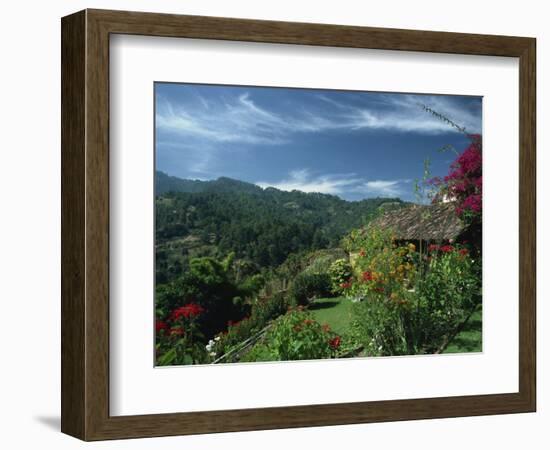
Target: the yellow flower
(412, 247)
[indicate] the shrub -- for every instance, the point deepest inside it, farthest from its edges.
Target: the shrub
(381, 269)
(446, 295)
(307, 286)
(419, 320)
(377, 324)
(464, 182)
(207, 283)
(259, 353)
(263, 310)
(383, 274)
(179, 339)
(296, 336)
(321, 260)
(340, 274)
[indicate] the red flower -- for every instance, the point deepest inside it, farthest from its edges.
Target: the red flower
(177, 331)
(463, 252)
(379, 289)
(446, 248)
(326, 327)
(362, 253)
(160, 325)
(367, 276)
(345, 285)
(188, 311)
(433, 248)
(335, 342)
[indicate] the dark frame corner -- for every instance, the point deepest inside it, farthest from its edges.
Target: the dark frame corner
(85, 224)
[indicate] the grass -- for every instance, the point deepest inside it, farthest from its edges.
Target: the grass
(335, 312)
(469, 339)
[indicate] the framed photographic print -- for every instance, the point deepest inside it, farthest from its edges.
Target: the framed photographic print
(271, 224)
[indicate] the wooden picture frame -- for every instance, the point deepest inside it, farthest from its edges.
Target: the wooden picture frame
(85, 224)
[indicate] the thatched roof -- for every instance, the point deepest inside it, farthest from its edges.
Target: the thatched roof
(427, 222)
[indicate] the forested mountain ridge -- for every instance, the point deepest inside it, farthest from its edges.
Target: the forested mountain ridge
(165, 183)
(261, 226)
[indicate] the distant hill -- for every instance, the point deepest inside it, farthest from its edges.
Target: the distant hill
(261, 226)
(165, 183)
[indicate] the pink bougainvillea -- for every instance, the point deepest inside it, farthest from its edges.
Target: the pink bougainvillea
(464, 182)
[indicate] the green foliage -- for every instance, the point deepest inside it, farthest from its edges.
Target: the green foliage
(378, 325)
(179, 339)
(445, 296)
(252, 285)
(340, 273)
(296, 336)
(381, 268)
(263, 310)
(411, 303)
(207, 282)
(307, 286)
(263, 226)
(260, 353)
(242, 255)
(320, 261)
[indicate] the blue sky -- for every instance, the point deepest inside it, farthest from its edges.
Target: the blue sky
(351, 144)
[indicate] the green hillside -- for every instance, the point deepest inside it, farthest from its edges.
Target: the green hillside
(260, 226)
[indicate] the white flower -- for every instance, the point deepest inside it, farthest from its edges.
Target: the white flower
(217, 338)
(212, 353)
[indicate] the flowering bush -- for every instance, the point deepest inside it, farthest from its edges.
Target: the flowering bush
(187, 311)
(446, 295)
(381, 268)
(464, 182)
(340, 273)
(296, 336)
(207, 285)
(178, 339)
(419, 318)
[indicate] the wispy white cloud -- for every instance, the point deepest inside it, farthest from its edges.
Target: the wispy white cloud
(385, 188)
(406, 113)
(338, 184)
(240, 119)
(302, 180)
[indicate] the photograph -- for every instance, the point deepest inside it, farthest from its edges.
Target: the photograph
(304, 224)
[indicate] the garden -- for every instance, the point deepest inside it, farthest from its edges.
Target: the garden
(381, 292)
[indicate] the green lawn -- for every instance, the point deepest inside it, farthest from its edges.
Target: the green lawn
(337, 313)
(469, 339)
(334, 311)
